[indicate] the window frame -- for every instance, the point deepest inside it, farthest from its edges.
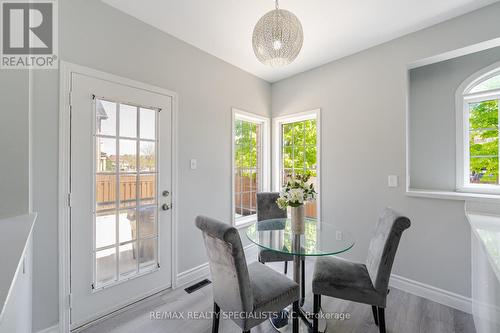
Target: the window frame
(463, 99)
(265, 166)
(278, 122)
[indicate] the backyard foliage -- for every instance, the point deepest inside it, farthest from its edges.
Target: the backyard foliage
(299, 147)
(483, 142)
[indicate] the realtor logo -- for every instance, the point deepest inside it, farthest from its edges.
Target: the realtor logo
(28, 34)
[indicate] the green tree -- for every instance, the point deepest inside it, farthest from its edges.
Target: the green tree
(247, 138)
(299, 147)
(483, 142)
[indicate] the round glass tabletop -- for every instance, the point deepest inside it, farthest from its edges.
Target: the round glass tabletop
(319, 238)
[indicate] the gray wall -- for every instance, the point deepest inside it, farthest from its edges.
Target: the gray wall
(14, 142)
(363, 100)
(432, 117)
(95, 35)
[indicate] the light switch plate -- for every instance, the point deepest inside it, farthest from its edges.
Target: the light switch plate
(392, 181)
(193, 164)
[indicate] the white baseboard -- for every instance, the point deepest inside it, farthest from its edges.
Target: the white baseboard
(193, 275)
(437, 295)
(51, 329)
(202, 271)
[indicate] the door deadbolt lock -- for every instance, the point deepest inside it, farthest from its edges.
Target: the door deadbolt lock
(165, 207)
(165, 193)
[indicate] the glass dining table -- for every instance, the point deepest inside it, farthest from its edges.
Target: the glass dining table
(319, 239)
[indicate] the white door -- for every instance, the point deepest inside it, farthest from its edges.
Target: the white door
(121, 176)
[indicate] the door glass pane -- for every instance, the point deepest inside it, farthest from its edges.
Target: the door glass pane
(147, 253)
(105, 117)
(105, 189)
(128, 191)
(105, 271)
(148, 156)
(148, 124)
(105, 229)
(128, 155)
(127, 225)
(147, 221)
(147, 189)
(105, 154)
(120, 176)
(128, 121)
(128, 259)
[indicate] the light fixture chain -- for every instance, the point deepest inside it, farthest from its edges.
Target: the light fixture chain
(277, 4)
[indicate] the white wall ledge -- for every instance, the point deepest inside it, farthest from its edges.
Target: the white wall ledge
(486, 227)
(452, 195)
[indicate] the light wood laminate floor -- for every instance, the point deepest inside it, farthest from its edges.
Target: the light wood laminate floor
(405, 313)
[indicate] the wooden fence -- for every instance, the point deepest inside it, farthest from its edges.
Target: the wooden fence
(246, 204)
(106, 190)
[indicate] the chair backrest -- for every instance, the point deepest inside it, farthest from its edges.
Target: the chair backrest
(383, 246)
(231, 282)
(267, 208)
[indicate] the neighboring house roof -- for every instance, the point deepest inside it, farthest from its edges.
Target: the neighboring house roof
(100, 112)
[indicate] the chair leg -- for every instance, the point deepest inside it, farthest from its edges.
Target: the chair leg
(381, 320)
(295, 317)
(286, 267)
(215, 321)
(375, 316)
(316, 307)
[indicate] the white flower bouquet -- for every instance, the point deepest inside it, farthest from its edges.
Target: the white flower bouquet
(296, 192)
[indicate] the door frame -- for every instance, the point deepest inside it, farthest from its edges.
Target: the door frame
(66, 69)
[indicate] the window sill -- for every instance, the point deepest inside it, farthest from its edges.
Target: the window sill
(453, 195)
(245, 222)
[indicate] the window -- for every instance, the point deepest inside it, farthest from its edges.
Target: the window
(296, 151)
(478, 163)
(125, 220)
(250, 164)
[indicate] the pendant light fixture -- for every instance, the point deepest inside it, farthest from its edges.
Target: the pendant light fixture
(277, 37)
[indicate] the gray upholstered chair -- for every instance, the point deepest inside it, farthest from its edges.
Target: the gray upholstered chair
(363, 283)
(255, 290)
(267, 209)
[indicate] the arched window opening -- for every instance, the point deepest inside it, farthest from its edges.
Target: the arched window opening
(481, 133)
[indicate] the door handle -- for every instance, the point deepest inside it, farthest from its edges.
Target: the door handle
(165, 207)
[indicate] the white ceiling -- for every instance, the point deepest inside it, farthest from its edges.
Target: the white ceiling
(332, 28)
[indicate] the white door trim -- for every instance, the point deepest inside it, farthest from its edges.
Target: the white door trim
(66, 69)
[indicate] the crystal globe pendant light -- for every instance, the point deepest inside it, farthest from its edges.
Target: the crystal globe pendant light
(277, 37)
